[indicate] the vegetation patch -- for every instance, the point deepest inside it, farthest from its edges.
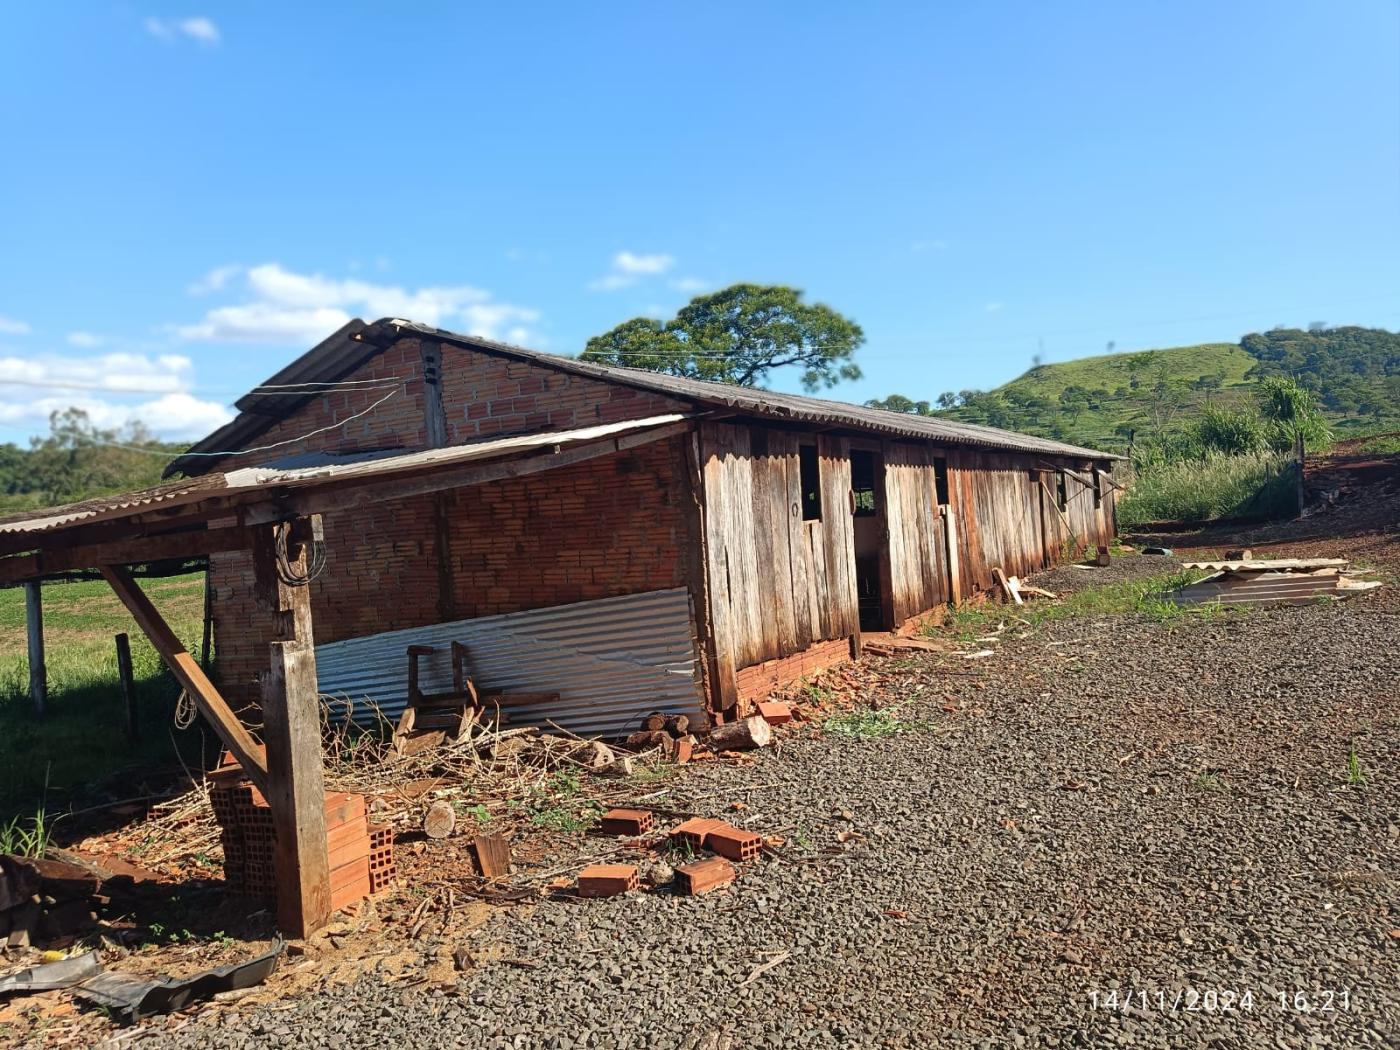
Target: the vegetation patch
(81, 737)
(1252, 486)
(868, 724)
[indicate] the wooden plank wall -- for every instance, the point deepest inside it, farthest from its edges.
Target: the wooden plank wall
(777, 583)
(918, 557)
(1008, 516)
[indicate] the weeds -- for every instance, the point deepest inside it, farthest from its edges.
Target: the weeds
(563, 819)
(1256, 485)
(1356, 774)
(866, 725)
(26, 838)
(1208, 782)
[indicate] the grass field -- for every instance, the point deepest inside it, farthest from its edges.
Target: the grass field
(81, 738)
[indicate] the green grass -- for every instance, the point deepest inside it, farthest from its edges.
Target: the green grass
(869, 724)
(1381, 445)
(81, 738)
(1143, 597)
(26, 836)
(1227, 361)
(1255, 486)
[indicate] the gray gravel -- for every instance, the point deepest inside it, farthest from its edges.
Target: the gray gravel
(1115, 805)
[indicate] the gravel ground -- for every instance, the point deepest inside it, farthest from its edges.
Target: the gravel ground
(1109, 806)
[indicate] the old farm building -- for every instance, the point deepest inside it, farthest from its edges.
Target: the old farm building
(627, 540)
(402, 508)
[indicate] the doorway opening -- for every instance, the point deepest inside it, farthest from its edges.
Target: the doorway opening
(868, 514)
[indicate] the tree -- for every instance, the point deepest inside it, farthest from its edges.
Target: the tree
(900, 403)
(739, 335)
(1290, 409)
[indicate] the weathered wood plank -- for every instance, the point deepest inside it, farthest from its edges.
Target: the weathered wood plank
(123, 552)
(296, 790)
(799, 551)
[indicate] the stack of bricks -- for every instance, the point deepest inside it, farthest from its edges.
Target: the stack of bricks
(361, 855)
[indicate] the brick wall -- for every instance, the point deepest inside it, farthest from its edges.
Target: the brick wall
(484, 396)
(600, 528)
(761, 680)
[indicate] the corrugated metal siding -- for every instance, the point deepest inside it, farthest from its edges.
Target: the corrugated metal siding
(611, 661)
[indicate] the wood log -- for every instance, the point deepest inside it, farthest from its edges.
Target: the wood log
(678, 725)
(654, 722)
(743, 735)
(493, 856)
(439, 821)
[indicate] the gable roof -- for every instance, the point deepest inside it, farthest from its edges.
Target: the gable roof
(347, 349)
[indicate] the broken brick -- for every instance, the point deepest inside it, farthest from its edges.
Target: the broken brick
(626, 822)
(704, 875)
(607, 880)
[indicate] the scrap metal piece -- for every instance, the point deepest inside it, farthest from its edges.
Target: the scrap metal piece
(132, 998)
(52, 976)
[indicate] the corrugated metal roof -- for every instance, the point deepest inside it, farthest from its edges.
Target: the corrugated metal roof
(119, 505)
(768, 403)
(611, 661)
(336, 356)
(258, 480)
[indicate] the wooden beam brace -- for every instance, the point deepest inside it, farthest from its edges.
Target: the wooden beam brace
(190, 675)
(123, 552)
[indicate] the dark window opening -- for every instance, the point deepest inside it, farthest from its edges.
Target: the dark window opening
(1098, 487)
(940, 480)
(811, 477)
(1062, 490)
(865, 502)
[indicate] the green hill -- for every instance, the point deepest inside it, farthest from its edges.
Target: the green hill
(1114, 400)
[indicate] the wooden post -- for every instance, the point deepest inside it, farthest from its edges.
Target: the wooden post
(1298, 454)
(34, 622)
(292, 729)
(128, 680)
(206, 641)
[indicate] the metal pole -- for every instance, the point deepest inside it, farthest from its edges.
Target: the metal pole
(34, 621)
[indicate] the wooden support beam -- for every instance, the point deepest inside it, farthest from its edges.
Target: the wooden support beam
(122, 552)
(34, 625)
(296, 790)
(190, 675)
(128, 683)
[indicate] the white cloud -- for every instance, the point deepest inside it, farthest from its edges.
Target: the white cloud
(113, 389)
(282, 307)
(85, 340)
(201, 30)
(9, 326)
(215, 280)
(994, 307)
(689, 284)
(630, 267)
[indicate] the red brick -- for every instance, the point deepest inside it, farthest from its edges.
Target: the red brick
(774, 713)
(607, 880)
(696, 831)
(734, 843)
(626, 822)
(704, 875)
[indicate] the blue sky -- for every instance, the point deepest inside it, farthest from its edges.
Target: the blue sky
(194, 194)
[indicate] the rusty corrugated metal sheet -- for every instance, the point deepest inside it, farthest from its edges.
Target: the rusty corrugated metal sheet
(611, 661)
(115, 506)
(255, 480)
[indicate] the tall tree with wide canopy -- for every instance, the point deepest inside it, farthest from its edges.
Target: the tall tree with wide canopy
(739, 335)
